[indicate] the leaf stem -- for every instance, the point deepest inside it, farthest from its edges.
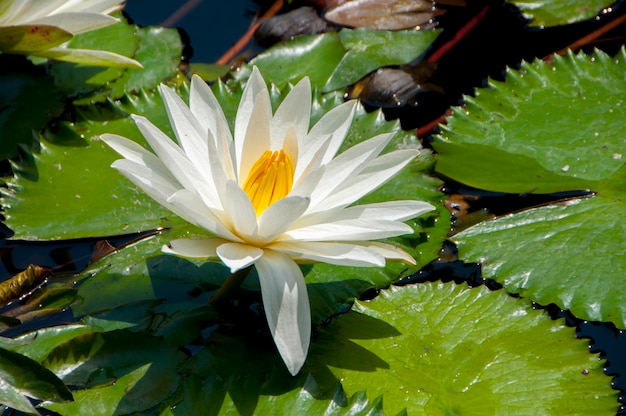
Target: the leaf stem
(229, 286)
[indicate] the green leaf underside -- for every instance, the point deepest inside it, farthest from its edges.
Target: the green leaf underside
(549, 128)
(560, 12)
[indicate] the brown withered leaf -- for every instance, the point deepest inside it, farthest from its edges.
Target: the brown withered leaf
(22, 283)
(383, 14)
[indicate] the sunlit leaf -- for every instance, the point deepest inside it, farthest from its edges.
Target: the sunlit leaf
(549, 127)
(445, 349)
(315, 56)
(79, 186)
(127, 40)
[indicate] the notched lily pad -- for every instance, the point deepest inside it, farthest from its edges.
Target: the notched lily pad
(547, 128)
(441, 348)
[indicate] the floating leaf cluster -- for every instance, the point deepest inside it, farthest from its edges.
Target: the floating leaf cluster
(134, 334)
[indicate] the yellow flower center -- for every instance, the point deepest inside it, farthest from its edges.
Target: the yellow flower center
(270, 179)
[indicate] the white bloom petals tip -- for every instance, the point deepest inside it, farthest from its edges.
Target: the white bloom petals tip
(273, 192)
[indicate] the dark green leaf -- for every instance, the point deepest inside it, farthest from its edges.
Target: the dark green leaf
(20, 374)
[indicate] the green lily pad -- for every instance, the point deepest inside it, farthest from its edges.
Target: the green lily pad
(560, 12)
(442, 348)
(70, 179)
(549, 127)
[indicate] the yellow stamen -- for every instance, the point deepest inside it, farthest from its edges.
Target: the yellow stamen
(270, 179)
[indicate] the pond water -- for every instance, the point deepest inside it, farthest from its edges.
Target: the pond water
(213, 26)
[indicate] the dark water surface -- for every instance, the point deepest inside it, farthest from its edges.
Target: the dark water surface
(213, 25)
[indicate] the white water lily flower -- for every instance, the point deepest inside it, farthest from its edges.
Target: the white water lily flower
(23, 29)
(274, 193)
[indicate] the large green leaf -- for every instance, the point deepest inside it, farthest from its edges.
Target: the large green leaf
(443, 349)
(560, 12)
(70, 178)
(434, 349)
(549, 127)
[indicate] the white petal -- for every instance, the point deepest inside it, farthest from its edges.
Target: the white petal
(294, 112)
(374, 175)
(390, 251)
(207, 109)
(190, 134)
(89, 57)
(238, 256)
(278, 217)
(159, 186)
(254, 87)
(240, 211)
(209, 113)
(168, 152)
(347, 165)
(341, 254)
(257, 138)
(194, 248)
(348, 230)
(390, 211)
(191, 207)
(76, 22)
(287, 309)
(336, 122)
(327, 134)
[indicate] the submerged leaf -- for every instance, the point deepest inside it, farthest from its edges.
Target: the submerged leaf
(382, 15)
